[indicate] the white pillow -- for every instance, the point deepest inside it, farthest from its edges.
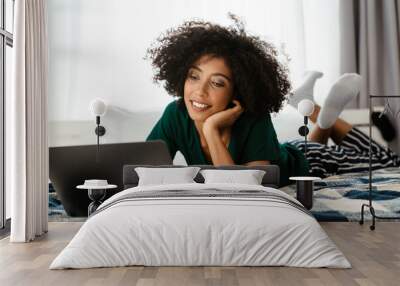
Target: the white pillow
(248, 177)
(163, 176)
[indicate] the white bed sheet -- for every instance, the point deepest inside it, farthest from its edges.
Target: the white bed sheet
(200, 231)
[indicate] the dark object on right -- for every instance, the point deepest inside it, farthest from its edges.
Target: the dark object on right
(386, 128)
(305, 191)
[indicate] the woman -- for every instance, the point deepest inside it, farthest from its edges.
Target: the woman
(228, 83)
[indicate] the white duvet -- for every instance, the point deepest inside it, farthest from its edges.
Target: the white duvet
(183, 231)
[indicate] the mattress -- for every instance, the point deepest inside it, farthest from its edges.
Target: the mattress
(201, 225)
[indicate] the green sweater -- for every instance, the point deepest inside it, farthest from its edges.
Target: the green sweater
(252, 139)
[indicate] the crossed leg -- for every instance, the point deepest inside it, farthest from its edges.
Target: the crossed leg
(328, 124)
(337, 131)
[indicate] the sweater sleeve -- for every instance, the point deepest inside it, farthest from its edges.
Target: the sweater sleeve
(262, 142)
(165, 129)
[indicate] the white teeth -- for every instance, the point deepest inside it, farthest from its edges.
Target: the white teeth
(199, 105)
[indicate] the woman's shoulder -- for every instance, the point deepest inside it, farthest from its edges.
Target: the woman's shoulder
(175, 117)
(250, 120)
(175, 111)
(255, 127)
(175, 108)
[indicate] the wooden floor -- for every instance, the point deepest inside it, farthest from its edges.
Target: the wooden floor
(375, 256)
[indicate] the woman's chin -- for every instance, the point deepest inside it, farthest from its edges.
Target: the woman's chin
(198, 116)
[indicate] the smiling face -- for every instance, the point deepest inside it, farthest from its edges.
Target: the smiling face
(208, 87)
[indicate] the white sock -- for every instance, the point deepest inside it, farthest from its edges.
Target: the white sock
(306, 88)
(341, 93)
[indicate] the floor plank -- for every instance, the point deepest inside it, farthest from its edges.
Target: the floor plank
(374, 255)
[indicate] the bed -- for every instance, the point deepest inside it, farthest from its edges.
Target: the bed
(201, 224)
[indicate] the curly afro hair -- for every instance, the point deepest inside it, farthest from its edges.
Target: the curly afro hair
(260, 82)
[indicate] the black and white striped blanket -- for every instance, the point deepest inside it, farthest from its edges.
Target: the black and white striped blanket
(204, 194)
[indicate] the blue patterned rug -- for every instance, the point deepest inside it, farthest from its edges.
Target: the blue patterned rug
(337, 198)
(56, 209)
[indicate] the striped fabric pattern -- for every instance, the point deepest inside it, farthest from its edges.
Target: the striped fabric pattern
(352, 155)
(207, 194)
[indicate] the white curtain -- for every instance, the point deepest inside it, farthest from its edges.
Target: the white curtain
(310, 33)
(28, 157)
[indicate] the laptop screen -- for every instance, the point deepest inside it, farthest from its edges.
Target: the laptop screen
(70, 166)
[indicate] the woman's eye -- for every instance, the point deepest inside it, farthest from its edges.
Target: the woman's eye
(218, 84)
(193, 77)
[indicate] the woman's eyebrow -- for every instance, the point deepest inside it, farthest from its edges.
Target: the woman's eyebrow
(219, 74)
(196, 68)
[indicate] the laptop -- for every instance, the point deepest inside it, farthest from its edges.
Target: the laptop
(70, 166)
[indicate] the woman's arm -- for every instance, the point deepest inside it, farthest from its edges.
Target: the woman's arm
(212, 132)
(218, 151)
(257, 163)
(220, 154)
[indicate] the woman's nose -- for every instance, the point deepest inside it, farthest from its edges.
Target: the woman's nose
(202, 88)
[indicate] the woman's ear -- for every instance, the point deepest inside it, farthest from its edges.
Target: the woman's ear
(230, 105)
